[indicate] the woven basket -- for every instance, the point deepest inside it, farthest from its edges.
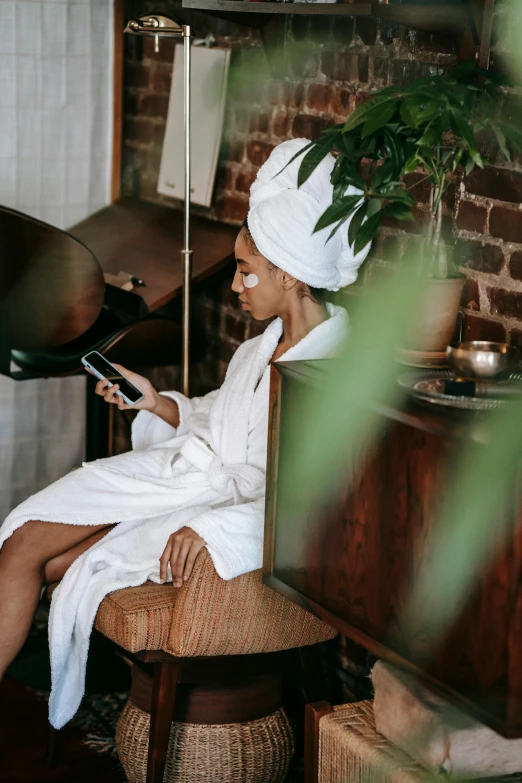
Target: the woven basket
(256, 752)
(351, 750)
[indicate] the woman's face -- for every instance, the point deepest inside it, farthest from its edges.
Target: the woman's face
(257, 282)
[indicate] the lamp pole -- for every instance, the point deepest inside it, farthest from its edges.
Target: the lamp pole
(160, 26)
(186, 253)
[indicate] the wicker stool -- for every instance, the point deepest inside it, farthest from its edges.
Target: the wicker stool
(257, 751)
(226, 727)
(351, 751)
(230, 625)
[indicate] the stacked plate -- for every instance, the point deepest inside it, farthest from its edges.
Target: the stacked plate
(484, 376)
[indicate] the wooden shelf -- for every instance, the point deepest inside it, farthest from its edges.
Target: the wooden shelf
(443, 19)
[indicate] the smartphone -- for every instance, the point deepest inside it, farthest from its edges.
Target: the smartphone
(103, 369)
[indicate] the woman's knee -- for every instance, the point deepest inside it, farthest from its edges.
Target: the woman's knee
(26, 543)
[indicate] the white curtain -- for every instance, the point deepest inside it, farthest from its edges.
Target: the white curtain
(56, 64)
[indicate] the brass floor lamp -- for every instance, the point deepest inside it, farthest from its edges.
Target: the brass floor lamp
(160, 26)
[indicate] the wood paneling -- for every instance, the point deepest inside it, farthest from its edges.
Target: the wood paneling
(354, 563)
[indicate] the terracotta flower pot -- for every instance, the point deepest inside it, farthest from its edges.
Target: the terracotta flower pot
(436, 315)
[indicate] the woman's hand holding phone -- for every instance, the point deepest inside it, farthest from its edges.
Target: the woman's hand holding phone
(152, 401)
(110, 393)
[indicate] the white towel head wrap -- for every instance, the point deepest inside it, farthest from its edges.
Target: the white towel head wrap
(282, 217)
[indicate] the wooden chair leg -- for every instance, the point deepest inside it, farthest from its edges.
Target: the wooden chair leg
(52, 757)
(164, 687)
(313, 679)
(313, 714)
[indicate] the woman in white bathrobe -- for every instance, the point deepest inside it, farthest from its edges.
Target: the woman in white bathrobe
(196, 474)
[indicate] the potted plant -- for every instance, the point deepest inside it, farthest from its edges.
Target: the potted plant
(432, 126)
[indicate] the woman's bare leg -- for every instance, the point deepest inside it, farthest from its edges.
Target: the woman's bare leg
(55, 569)
(23, 559)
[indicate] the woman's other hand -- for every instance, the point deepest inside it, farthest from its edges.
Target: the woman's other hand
(181, 551)
(110, 393)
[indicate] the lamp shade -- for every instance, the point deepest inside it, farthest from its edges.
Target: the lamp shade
(155, 24)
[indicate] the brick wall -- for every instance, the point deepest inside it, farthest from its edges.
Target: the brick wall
(326, 68)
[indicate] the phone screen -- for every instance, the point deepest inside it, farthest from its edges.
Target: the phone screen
(110, 372)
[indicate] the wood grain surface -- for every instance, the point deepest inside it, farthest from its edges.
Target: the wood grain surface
(354, 563)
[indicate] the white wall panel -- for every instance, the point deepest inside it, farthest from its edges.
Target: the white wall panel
(55, 127)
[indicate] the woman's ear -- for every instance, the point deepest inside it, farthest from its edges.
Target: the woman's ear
(287, 281)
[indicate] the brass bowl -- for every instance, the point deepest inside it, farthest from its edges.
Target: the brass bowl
(481, 359)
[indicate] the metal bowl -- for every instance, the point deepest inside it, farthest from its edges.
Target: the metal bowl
(481, 359)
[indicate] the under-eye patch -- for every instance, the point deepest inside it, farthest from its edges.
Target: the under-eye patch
(249, 281)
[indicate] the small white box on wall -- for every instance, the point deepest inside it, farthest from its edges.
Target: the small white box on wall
(208, 86)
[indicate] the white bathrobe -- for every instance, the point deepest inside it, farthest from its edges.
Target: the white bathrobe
(209, 474)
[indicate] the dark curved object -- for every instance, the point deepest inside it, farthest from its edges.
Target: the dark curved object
(51, 285)
(149, 342)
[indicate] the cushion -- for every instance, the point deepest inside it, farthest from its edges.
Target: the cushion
(207, 616)
(437, 735)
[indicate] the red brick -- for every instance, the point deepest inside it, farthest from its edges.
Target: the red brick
(235, 328)
(506, 223)
(479, 328)
(309, 126)
(498, 183)
(480, 256)
(343, 30)
(258, 152)
(245, 180)
(160, 79)
(505, 303)
(319, 96)
(159, 133)
(515, 265)
(258, 122)
(304, 61)
(138, 129)
(380, 70)
(293, 94)
(274, 92)
(236, 151)
(136, 75)
(230, 178)
(280, 123)
(366, 29)
(233, 208)
(419, 187)
(153, 105)
(130, 102)
(470, 295)
(472, 217)
(166, 49)
(343, 101)
(242, 117)
(346, 67)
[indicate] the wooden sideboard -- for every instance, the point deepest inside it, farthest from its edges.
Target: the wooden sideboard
(352, 564)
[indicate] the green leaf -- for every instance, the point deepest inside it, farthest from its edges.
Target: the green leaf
(513, 134)
(397, 194)
(399, 211)
(336, 228)
(408, 116)
(368, 231)
(394, 147)
(313, 157)
(429, 112)
(358, 117)
(378, 118)
(356, 221)
(336, 211)
(384, 174)
(462, 128)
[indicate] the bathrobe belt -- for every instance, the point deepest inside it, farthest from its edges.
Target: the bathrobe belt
(237, 480)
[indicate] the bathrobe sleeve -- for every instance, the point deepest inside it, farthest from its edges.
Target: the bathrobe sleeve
(149, 429)
(234, 534)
